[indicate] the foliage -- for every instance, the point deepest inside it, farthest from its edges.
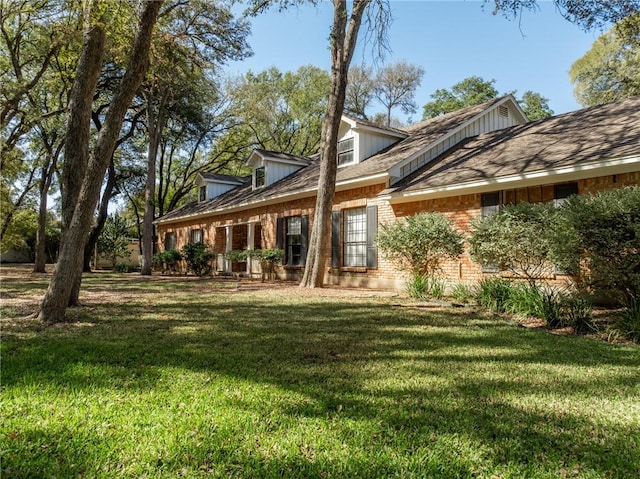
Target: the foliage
(475, 90)
(359, 93)
(420, 243)
(610, 70)
(578, 313)
(395, 87)
(587, 14)
(630, 321)
(167, 260)
(524, 299)
(237, 255)
(462, 292)
(124, 268)
(113, 242)
(271, 256)
(198, 257)
(468, 92)
(599, 237)
(422, 286)
(535, 106)
(493, 293)
(517, 238)
(551, 309)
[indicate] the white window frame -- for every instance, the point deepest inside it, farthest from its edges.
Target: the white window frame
(354, 239)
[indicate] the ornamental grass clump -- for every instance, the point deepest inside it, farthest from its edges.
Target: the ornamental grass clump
(419, 245)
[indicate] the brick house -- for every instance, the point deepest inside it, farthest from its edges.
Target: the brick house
(464, 164)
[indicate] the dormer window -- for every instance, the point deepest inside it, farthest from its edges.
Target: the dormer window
(259, 177)
(203, 193)
(345, 152)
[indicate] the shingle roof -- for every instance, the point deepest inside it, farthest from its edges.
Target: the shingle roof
(226, 178)
(597, 133)
(283, 156)
(420, 136)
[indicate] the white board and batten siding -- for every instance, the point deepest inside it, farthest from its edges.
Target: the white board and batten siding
(275, 171)
(216, 189)
(492, 120)
(369, 145)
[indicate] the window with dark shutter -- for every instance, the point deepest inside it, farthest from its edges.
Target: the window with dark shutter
(335, 239)
(355, 237)
(372, 232)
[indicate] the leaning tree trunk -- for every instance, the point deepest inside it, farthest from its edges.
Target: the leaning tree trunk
(74, 236)
(343, 42)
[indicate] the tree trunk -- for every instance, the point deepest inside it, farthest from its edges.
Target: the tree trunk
(76, 231)
(343, 42)
(155, 126)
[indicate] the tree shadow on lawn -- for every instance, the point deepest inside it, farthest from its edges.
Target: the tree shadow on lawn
(419, 383)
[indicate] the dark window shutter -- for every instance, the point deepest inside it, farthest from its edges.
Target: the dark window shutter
(372, 232)
(335, 239)
(279, 232)
(304, 234)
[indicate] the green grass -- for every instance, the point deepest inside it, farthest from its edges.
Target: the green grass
(173, 378)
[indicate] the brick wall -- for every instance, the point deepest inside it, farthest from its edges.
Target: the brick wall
(460, 209)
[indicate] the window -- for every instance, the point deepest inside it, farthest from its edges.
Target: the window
(169, 241)
(203, 193)
(196, 236)
(345, 151)
(490, 203)
(356, 245)
(294, 241)
(564, 191)
(355, 237)
(259, 177)
(291, 235)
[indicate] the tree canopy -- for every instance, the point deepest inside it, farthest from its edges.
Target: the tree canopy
(610, 70)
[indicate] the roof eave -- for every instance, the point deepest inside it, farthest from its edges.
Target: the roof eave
(612, 166)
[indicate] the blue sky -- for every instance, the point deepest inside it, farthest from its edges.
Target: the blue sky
(451, 40)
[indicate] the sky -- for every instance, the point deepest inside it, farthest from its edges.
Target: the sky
(451, 40)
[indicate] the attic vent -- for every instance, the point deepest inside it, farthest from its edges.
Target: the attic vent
(503, 111)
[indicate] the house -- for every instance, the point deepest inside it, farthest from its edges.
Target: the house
(464, 164)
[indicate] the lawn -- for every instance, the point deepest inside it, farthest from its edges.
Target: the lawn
(176, 377)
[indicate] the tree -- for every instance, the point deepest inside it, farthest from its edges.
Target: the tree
(468, 92)
(83, 171)
(610, 70)
(343, 38)
(396, 85)
(535, 106)
(421, 243)
(114, 239)
(186, 48)
(360, 91)
(587, 14)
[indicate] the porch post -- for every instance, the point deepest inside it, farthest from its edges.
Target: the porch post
(228, 247)
(250, 244)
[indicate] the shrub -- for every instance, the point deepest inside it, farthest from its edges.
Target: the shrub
(630, 323)
(578, 313)
(124, 268)
(167, 260)
(198, 257)
(515, 239)
(524, 299)
(237, 255)
(462, 293)
(493, 293)
(599, 237)
(421, 243)
(551, 309)
(417, 286)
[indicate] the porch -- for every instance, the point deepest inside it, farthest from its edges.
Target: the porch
(238, 237)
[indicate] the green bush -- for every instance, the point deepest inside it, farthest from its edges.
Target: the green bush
(237, 255)
(551, 309)
(515, 239)
(630, 323)
(271, 256)
(462, 293)
(167, 260)
(124, 268)
(421, 243)
(198, 257)
(578, 313)
(493, 293)
(599, 237)
(417, 286)
(524, 299)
